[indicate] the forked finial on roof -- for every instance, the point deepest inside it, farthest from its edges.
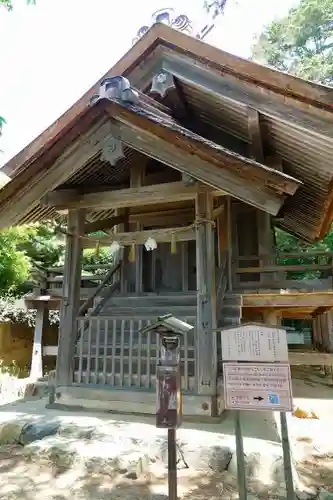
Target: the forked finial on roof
(180, 22)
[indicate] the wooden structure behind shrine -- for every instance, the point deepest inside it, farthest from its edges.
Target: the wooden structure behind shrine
(200, 154)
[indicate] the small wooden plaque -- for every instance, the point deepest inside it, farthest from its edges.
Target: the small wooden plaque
(168, 397)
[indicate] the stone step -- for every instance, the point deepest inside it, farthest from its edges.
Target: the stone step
(186, 299)
(232, 299)
(230, 310)
(228, 321)
(150, 311)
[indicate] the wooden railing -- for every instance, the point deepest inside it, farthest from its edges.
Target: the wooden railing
(302, 270)
(115, 352)
(93, 279)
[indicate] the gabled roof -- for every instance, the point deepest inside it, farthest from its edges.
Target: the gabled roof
(143, 126)
(296, 115)
(136, 61)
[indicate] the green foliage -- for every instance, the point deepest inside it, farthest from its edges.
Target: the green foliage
(35, 245)
(11, 312)
(42, 244)
(8, 4)
(91, 257)
(14, 263)
(300, 43)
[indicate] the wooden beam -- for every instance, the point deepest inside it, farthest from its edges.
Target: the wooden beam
(160, 177)
(140, 237)
(264, 230)
(71, 290)
(168, 218)
(255, 141)
(310, 358)
(175, 145)
(218, 211)
(290, 300)
(100, 225)
(67, 164)
(235, 175)
(276, 105)
(132, 197)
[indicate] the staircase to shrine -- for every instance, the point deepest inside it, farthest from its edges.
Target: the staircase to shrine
(112, 350)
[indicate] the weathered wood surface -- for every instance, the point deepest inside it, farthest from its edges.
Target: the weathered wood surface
(206, 313)
(71, 289)
(163, 128)
(140, 237)
(310, 358)
(137, 176)
(280, 300)
(282, 268)
(306, 285)
(295, 357)
(201, 168)
(66, 164)
(131, 197)
(276, 105)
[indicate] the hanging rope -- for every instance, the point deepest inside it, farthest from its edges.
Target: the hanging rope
(141, 238)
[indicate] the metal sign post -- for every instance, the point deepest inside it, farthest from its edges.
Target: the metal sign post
(256, 376)
(241, 475)
(168, 401)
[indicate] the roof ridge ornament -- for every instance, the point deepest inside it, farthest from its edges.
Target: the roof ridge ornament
(116, 88)
(180, 22)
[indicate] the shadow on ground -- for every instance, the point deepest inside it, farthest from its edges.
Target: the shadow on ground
(27, 480)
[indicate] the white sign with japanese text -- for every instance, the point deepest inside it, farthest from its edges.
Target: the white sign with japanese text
(256, 343)
(257, 386)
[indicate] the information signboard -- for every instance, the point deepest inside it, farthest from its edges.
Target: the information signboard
(255, 343)
(257, 386)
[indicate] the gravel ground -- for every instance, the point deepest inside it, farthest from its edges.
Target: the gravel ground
(27, 478)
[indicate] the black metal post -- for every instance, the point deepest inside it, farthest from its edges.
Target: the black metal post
(172, 464)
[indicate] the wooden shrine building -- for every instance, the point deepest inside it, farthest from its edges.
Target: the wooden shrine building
(198, 153)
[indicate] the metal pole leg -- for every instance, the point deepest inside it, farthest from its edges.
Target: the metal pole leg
(172, 464)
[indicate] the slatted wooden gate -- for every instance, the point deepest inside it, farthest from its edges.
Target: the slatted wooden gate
(113, 351)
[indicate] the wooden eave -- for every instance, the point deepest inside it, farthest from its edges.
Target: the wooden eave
(161, 137)
(317, 96)
(311, 116)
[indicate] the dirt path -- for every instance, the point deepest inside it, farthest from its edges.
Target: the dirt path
(24, 480)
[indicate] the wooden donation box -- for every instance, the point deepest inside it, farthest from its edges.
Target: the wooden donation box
(170, 331)
(168, 395)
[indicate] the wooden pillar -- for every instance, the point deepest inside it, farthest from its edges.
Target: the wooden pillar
(326, 326)
(265, 243)
(271, 317)
(136, 181)
(42, 316)
(263, 219)
(206, 350)
(184, 257)
(231, 235)
(71, 293)
(314, 333)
